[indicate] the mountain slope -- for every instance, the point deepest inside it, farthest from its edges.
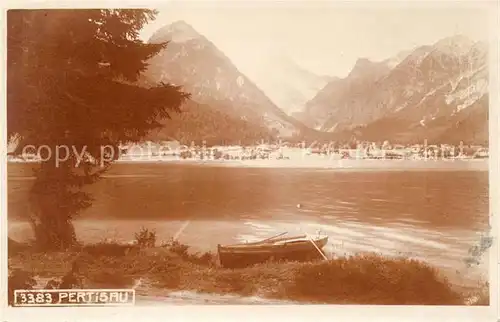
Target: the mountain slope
(424, 95)
(337, 100)
(192, 61)
(199, 122)
(330, 102)
(286, 83)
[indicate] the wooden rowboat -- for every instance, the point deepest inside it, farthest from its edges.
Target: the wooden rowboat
(298, 248)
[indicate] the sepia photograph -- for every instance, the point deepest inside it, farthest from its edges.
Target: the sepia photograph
(251, 153)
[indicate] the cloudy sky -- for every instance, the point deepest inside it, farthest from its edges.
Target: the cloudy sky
(324, 37)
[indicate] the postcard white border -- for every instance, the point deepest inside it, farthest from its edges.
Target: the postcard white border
(268, 312)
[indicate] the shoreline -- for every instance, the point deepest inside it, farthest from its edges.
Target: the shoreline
(316, 162)
(348, 164)
(170, 275)
(339, 246)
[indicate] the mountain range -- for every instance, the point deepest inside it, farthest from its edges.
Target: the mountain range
(286, 83)
(217, 87)
(435, 92)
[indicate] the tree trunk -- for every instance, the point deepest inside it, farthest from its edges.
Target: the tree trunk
(50, 201)
(54, 232)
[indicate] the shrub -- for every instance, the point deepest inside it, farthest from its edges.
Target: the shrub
(233, 281)
(107, 249)
(111, 278)
(167, 276)
(205, 259)
(71, 280)
(145, 238)
(178, 248)
(370, 279)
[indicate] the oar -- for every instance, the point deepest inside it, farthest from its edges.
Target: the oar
(273, 237)
(317, 248)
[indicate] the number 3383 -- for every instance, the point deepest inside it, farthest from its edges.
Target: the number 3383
(34, 298)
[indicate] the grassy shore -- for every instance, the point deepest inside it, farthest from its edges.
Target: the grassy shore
(362, 279)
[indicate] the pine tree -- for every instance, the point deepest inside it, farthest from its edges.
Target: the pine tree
(72, 94)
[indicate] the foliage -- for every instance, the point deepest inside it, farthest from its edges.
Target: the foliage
(111, 278)
(71, 87)
(177, 248)
(107, 249)
(361, 279)
(372, 279)
(180, 249)
(145, 238)
(202, 123)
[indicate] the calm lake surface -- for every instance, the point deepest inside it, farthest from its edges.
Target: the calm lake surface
(431, 215)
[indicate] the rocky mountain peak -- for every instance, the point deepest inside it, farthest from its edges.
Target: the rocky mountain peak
(195, 63)
(178, 32)
(455, 45)
(365, 68)
(437, 85)
(360, 66)
(392, 62)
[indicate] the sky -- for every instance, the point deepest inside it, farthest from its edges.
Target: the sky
(324, 37)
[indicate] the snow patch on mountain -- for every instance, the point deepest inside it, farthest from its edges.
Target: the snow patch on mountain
(400, 107)
(240, 81)
(427, 95)
(332, 129)
(470, 94)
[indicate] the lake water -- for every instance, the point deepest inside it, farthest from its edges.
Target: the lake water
(432, 215)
